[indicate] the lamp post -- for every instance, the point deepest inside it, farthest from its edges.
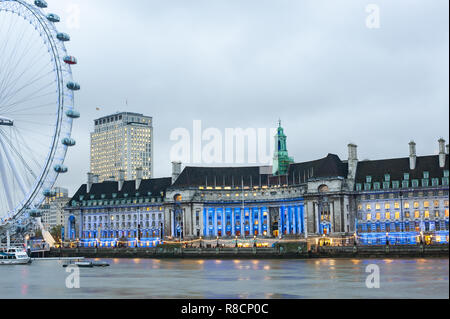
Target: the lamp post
(236, 242)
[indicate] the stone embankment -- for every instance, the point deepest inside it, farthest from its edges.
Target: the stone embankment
(279, 252)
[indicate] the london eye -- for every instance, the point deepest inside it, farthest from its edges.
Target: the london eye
(36, 109)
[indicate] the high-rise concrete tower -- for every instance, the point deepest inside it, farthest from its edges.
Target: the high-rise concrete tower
(122, 142)
(281, 159)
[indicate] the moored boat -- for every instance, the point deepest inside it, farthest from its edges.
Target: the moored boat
(14, 256)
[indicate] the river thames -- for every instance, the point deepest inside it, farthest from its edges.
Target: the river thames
(230, 279)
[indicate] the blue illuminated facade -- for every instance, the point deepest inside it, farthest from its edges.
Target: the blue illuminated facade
(250, 220)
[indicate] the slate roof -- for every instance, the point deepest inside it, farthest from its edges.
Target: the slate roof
(153, 186)
(328, 167)
(221, 177)
(397, 167)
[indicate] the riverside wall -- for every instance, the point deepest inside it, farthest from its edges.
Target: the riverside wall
(280, 252)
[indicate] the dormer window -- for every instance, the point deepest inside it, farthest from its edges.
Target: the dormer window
(426, 174)
(387, 177)
(376, 186)
(406, 176)
(435, 182)
(358, 187)
(368, 179)
(415, 183)
(446, 173)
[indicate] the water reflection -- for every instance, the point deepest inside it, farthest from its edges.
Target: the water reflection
(184, 278)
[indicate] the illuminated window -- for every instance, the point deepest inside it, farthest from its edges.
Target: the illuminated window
(397, 215)
(426, 204)
(388, 215)
(377, 206)
(445, 203)
(359, 207)
(446, 213)
(416, 214)
(406, 205)
(416, 204)
(369, 216)
(397, 205)
(427, 214)
(387, 206)
(368, 207)
(378, 216)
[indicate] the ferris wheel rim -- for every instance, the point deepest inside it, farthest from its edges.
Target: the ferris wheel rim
(63, 123)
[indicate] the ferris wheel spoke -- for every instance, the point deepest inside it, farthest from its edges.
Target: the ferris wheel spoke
(6, 68)
(16, 112)
(13, 167)
(7, 92)
(19, 155)
(23, 143)
(27, 99)
(7, 99)
(4, 178)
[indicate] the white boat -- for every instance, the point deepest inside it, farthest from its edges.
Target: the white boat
(14, 256)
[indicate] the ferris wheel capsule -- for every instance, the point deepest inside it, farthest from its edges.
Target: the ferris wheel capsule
(68, 141)
(61, 169)
(53, 17)
(70, 60)
(73, 114)
(40, 3)
(63, 37)
(73, 86)
(49, 193)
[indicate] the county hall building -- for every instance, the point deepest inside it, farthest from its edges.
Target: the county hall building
(401, 200)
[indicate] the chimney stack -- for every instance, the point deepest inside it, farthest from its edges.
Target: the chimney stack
(139, 174)
(412, 155)
(176, 171)
(121, 179)
(352, 161)
(441, 153)
(90, 181)
(95, 179)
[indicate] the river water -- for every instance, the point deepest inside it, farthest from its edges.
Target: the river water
(230, 279)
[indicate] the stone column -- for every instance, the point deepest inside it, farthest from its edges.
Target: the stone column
(233, 232)
(172, 223)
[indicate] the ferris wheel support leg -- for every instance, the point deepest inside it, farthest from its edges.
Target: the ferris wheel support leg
(14, 168)
(3, 177)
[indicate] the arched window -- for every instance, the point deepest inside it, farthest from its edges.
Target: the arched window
(323, 189)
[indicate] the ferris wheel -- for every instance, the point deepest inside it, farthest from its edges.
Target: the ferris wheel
(36, 107)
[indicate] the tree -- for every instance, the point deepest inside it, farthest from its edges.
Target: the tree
(56, 232)
(38, 233)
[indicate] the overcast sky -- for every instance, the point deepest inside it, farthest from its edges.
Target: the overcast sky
(247, 63)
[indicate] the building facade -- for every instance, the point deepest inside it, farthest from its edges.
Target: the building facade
(122, 142)
(111, 213)
(401, 201)
(53, 208)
